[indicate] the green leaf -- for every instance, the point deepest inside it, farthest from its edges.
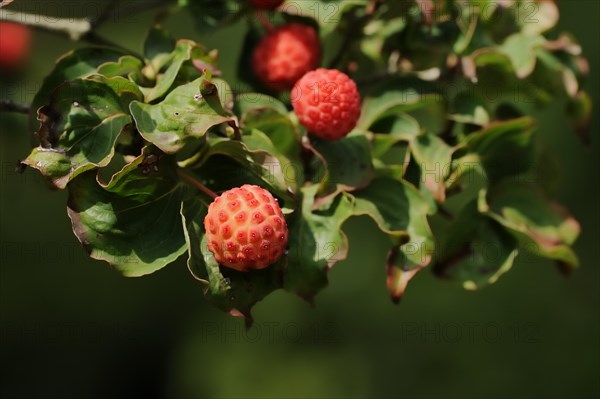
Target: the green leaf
(182, 53)
(432, 155)
(53, 163)
(81, 123)
(75, 64)
(182, 117)
(466, 171)
(521, 50)
(133, 222)
(247, 102)
(193, 211)
(400, 211)
(498, 82)
(538, 17)
(434, 158)
(403, 128)
(270, 117)
(543, 227)
(504, 148)
(468, 107)
(485, 57)
(126, 66)
(553, 77)
(348, 163)
(124, 88)
(395, 96)
(399, 273)
(283, 172)
(382, 145)
(475, 250)
(254, 164)
(316, 242)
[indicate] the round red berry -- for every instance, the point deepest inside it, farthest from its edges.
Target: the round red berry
(14, 44)
(266, 4)
(327, 103)
(285, 54)
(245, 228)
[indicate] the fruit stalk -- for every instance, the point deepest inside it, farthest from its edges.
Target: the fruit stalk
(189, 179)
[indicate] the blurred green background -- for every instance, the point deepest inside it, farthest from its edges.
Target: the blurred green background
(72, 328)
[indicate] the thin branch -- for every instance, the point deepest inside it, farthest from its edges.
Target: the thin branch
(11, 106)
(74, 28)
(189, 179)
(81, 28)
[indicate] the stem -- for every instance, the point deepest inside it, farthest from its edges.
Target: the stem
(189, 179)
(11, 106)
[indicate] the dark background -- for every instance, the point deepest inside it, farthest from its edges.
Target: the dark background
(72, 328)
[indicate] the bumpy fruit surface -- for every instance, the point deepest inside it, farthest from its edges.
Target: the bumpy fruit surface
(285, 54)
(245, 228)
(266, 4)
(327, 102)
(14, 45)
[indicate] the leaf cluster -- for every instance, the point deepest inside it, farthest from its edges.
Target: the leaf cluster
(447, 89)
